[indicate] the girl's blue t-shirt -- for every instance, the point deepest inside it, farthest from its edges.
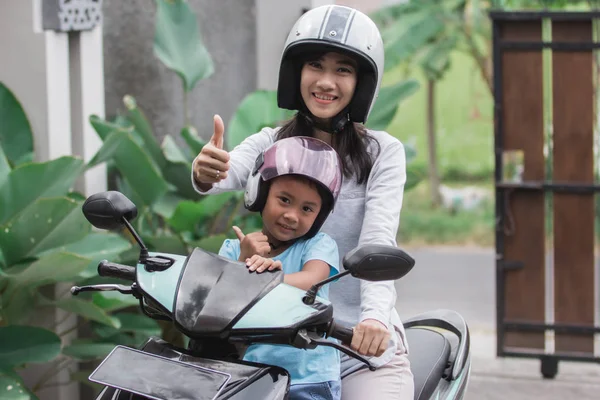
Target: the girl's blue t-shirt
(321, 364)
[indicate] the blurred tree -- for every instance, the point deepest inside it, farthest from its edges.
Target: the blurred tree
(425, 33)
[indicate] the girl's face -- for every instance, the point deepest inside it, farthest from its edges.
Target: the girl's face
(327, 84)
(291, 208)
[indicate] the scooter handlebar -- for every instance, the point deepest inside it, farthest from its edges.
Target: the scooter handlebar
(341, 332)
(114, 270)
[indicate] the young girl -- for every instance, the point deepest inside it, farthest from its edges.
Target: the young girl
(294, 185)
(331, 70)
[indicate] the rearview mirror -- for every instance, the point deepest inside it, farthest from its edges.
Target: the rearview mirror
(378, 262)
(106, 210)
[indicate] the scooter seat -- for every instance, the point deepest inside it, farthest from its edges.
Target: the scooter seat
(428, 356)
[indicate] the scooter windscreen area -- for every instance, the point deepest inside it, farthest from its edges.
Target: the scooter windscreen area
(157, 377)
(214, 293)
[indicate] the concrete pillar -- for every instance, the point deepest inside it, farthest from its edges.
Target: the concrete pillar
(274, 19)
(228, 31)
(87, 93)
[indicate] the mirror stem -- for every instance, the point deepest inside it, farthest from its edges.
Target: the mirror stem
(138, 239)
(311, 294)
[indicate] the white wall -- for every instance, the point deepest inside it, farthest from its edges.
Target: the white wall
(58, 82)
(24, 72)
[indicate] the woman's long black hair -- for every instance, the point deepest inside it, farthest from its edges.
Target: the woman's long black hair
(351, 144)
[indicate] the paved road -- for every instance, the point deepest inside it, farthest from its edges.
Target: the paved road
(463, 279)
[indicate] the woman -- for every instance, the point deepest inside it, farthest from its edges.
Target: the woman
(330, 72)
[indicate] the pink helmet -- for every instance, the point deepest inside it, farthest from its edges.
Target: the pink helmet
(298, 155)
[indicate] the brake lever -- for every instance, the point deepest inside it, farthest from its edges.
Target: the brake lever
(75, 290)
(306, 340)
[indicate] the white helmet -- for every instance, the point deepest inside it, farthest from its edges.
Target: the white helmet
(333, 28)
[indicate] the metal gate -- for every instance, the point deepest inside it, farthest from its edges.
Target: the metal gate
(545, 186)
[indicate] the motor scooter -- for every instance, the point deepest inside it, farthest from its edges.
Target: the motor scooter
(223, 308)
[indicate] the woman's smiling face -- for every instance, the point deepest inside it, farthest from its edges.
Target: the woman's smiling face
(327, 84)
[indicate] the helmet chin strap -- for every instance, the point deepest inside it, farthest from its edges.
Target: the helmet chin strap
(336, 124)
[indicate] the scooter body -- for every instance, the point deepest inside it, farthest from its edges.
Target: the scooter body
(222, 308)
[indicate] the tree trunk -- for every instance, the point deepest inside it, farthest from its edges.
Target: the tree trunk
(434, 177)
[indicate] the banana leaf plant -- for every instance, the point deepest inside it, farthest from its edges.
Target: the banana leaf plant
(155, 175)
(44, 241)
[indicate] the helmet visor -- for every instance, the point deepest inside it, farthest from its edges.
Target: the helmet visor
(304, 156)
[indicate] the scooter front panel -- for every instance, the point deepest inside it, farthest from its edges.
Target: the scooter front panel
(161, 285)
(279, 308)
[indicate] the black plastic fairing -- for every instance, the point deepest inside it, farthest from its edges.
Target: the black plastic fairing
(152, 376)
(214, 293)
(249, 381)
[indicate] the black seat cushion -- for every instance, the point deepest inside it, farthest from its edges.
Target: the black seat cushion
(428, 356)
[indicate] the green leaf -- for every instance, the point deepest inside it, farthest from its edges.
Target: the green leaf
(211, 243)
(135, 165)
(384, 16)
(16, 304)
(436, 59)
(414, 175)
(112, 301)
(28, 182)
(179, 174)
(178, 169)
(124, 187)
(97, 246)
(258, 110)
(46, 224)
(172, 151)
(194, 142)
(139, 323)
(177, 42)
(52, 268)
(16, 138)
(88, 310)
(166, 243)
(144, 130)
(12, 387)
(88, 350)
(189, 213)
(27, 344)
(104, 128)
(409, 33)
(166, 205)
(388, 101)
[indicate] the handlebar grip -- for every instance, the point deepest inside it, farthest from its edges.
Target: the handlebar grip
(114, 270)
(342, 333)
